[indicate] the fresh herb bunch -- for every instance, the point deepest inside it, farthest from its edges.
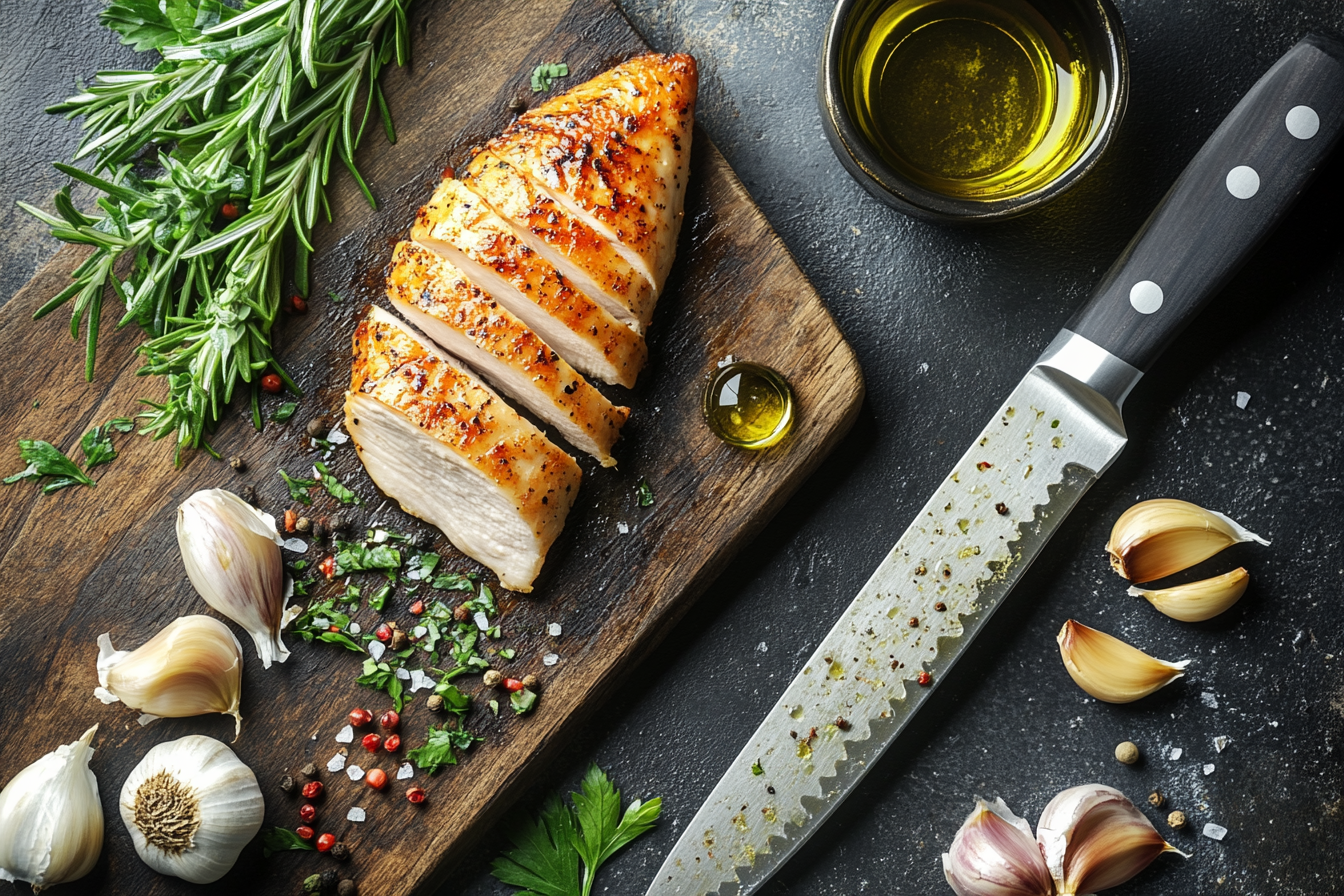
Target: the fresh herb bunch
(240, 119)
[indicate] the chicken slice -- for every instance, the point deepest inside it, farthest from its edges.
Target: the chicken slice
(451, 452)
(435, 296)
(583, 256)
(459, 226)
(615, 151)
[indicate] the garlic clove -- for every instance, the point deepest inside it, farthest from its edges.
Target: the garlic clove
(51, 821)
(232, 554)
(1198, 601)
(1094, 838)
(1154, 539)
(994, 854)
(192, 667)
(1109, 669)
(191, 806)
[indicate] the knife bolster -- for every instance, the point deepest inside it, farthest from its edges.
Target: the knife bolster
(1095, 377)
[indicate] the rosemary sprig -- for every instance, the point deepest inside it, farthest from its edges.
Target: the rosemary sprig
(246, 109)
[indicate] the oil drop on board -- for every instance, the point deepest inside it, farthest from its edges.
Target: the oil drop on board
(977, 99)
(748, 405)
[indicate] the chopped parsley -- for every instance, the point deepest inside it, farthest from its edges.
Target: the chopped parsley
(523, 701)
(298, 488)
(441, 748)
(45, 459)
(285, 411)
(378, 600)
(455, 581)
(315, 623)
(334, 486)
(756, 768)
(352, 556)
(382, 676)
(644, 494)
(544, 73)
(97, 442)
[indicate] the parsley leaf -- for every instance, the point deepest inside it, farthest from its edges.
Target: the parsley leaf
(523, 701)
(439, 748)
(285, 411)
(334, 486)
(455, 581)
(542, 75)
(45, 459)
(560, 853)
(97, 442)
(351, 556)
(274, 840)
(383, 677)
(644, 494)
(298, 488)
(757, 768)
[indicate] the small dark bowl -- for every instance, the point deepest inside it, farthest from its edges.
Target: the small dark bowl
(846, 30)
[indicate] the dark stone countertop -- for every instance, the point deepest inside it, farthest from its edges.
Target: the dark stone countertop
(945, 321)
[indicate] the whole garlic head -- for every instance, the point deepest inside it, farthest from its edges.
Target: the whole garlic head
(191, 806)
(994, 854)
(232, 554)
(192, 667)
(51, 822)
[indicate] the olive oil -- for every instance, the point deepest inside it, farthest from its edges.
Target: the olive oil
(748, 405)
(976, 99)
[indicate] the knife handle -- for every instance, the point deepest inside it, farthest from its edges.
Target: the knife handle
(1224, 204)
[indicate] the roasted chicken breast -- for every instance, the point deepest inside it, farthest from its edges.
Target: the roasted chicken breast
(459, 226)
(436, 297)
(451, 452)
(580, 253)
(615, 151)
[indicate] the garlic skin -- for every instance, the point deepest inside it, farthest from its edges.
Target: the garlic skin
(51, 822)
(1109, 669)
(994, 854)
(1154, 539)
(191, 806)
(192, 667)
(232, 554)
(1094, 838)
(1198, 601)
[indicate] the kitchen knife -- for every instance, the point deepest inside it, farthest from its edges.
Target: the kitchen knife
(1056, 433)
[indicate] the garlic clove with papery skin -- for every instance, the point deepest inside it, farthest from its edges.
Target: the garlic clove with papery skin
(191, 806)
(232, 554)
(1109, 669)
(1198, 601)
(1154, 539)
(192, 667)
(51, 821)
(1094, 838)
(994, 854)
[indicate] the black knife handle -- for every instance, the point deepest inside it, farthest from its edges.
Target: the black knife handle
(1226, 201)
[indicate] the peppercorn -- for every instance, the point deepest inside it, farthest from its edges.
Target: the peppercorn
(299, 304)
(329, 881)
(309, 771)
(304, 832)
(940, 606)
(287, 784)
(237, 463)
(492, 678)
(372, 742)
(417, 607)
(312, 790)
(340, 852)
(229, 210)
(338, 522)
(318, 427)
(383, 632)
(1156, 799)
(924, 679)
(1002, 508)
(271, 383)
(399, 640)
(1176, 820)
(461, 613)
(326, 841)
(393, 743)
(435, 703)
(327, 567)
(389, 720)
(914, 622)
(1127, 753)
(319, 531)
(312, 883)
(376, 778)
(415, 794)
(842, 723)
(360, 717)
(347, 888)
(449, 173)
(517, 105)
(303, 524)
(248, 494)
(530, 681)
(307, 811)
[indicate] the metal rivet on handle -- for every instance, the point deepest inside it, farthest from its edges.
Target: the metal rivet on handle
(1145, 296)
(1302, 122)
(1243, 182)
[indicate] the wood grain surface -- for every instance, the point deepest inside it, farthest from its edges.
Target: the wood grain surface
(90, 560)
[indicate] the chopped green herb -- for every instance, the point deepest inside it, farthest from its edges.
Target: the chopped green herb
(440, 746)
(351, 556)
(382, 676)
(560, 853)
(756, 768)
(378, 600)
(351, 595)
(523, 701)
(334, 486)
(274, 840)
(421, 566)
(453, 699)
(644, 494)
(507, 653)
(333, 297)
(37, 404)
(97, 442)
(285, 411)
(455, 581)
(544, 73)
(45, 459)
(314, 624)
(494, 706)
(298, 488)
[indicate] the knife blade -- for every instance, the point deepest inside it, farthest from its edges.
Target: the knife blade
(1058, 430)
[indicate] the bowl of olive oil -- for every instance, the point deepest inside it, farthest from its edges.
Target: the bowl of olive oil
(972, 109)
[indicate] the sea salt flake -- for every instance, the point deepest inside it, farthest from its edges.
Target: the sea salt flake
(554, 629)
(336, 763)
(1208, 769)
(420, 681)
(623, 528)
(1220, 743)
(1243, 399)
(354, 772)
(297, 545)
(345, 735)
(762, 647)
(1214, 831)
(404, 674)
(727, 359)
(406, 771)
(355, 814)
(377, 649)
(550, 659)
(354, 628)
(1176, 753)
(379, 536)
(1209, 699)
(419, 631)
(337, 436)
(482, 621)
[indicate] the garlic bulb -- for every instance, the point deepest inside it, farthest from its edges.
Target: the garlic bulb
(191, 806)
(192, 667)
(1109, 669)
(1093, 838)
(994, 854)
(1154, 539)
(51, 822)
(232, 554)
(1198, 601)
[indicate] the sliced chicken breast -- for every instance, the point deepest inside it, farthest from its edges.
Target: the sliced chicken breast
(451, 452)
(436, 297)
(583, 256)
(460, 227)
(615, 151)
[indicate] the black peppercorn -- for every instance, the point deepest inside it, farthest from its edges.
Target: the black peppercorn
(347, 888)
(329, 880)
(287, 784)
(309, 771)
(340, 852)
(238, 463)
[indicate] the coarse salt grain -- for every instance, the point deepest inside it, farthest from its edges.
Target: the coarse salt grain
(623, 528)
(1208, 769)
(1214, 831)
(355, 629)
(1176, 753)
(1243, 399)
(1220, 743)
(405, 772)
(482, 621)
(727, 359)
(354, 772)
(297, 545)
(345, 735)
(377, 649)
(550, 659)
(404, 674)
(420, 681)
(554, 629)
(336, 763)
(419, 631)
(355, 814)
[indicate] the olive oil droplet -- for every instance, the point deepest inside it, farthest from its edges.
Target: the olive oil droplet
(748, 405)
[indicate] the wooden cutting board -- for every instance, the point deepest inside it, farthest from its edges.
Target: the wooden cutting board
(90, 560)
